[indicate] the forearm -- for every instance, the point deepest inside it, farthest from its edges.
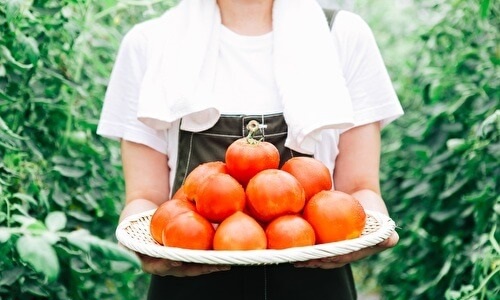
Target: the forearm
(357, 166)
(146, 178)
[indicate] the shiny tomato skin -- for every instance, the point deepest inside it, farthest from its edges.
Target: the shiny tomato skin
(219, 196)
(273, 193)
(313, 175)
(198, 175)
(245, 159)
(189, 230)
(239, 232)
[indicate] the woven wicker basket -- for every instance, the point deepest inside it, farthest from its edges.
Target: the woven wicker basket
(133, 233)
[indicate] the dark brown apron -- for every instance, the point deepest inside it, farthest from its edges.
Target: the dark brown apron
(271, 282)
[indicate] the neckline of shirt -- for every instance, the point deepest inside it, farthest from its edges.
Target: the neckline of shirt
(254, 42)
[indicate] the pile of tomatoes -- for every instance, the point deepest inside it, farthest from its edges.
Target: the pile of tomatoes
(248, 202)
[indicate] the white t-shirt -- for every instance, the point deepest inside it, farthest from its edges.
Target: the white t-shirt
(253, 90)
(244, 81)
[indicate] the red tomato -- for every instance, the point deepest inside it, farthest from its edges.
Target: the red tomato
(273, 193)
(289, 231)
(196, 177)
(239, 232)
(180, 194)
(219, 196)
(189, 230)
(165, 213)
(312, 174)
(246, 157)
(335, 216)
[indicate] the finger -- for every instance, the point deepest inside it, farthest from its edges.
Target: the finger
(360, 254)
(160, 267)
(157, 266)
(319, 264)
(354, 256)
(306, 264)
(189, 270)
(331, 265)
(390, 242)
(341, 260)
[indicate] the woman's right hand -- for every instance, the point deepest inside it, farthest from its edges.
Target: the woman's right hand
(165, 267)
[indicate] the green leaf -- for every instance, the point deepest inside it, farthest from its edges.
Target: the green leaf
(22, 212)
(77, 238)
(8, 277)
(455, 144)
(8, 56)
(441, 216)
(34, 288)
(25, 197)
(55, 221)
(62, 199)
(85, 241)
(457, 185)
(5, 128)
(485, 5)
(14, 8)
(418, 190)
(39, 255)
(81, 216)
(4, 96)
(50, 237)
(36, 227)
(4, 235)
(444, 270)
(69, 171)
(436, 91)
(24, 221)
(120, 266)
(490, 124)
(30, 45)
(3, 216)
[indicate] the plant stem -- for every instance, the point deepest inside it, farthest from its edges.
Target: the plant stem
(253, 127)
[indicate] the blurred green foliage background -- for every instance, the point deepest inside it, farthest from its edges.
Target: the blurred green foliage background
(440, 172)
(61, 189)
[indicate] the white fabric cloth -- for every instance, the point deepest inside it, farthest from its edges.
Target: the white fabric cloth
(306, 67)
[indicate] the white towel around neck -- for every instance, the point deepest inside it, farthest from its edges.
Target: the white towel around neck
(307, 69)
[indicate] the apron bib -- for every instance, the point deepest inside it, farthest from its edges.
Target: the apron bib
(270, 282)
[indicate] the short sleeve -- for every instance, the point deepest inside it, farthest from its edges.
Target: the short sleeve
(118, 118)
(373, 96)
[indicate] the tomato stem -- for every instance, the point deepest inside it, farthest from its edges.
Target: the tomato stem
(253, 127)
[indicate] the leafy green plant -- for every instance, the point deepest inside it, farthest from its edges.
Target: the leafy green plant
(60, 185)
(440, 173)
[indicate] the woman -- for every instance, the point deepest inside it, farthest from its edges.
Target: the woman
(185, 84)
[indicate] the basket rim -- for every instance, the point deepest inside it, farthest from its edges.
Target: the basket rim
(251, 257)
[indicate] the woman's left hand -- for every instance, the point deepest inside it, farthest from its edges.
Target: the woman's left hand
(341, 260)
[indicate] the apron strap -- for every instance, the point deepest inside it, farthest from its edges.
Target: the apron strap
(330, 15)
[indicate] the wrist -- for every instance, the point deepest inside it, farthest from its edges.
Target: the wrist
(137, 206)
(371, 200)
